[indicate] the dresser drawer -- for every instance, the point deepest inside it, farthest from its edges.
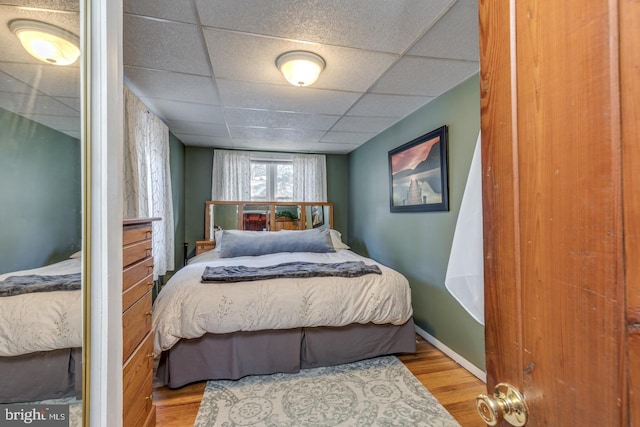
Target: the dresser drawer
(135, 233)
(135, 252)
(137, 279)
(136, 323)
(138, 385)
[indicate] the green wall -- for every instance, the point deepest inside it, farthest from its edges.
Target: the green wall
(176, 161)
(418, 244)
(198, 163)
(40, 183)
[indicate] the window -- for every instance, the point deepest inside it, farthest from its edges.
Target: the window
(271, 180)
(266, 177)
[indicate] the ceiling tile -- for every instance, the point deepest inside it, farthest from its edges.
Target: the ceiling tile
(200, 129)
(66, 5)
(239, 56)
(454, 36)
(279, 119)
(169, 85)
(185, 111)
(62, 124)
(173, 10)
(36, 104)
(271, 134)
(284, 98)
(378, 105)
(70, 102)
(10, 84)
(423, 76)
(48, 79)
(164, 45)
(204, 141)
(353, 138)
(378, 25)
(363, 124)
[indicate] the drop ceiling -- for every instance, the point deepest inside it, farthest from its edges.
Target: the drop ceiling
(207, 67)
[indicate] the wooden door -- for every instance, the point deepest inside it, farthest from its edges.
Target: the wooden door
(560, 99)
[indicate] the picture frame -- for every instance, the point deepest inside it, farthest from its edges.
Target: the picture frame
(317, 216)
(418, 174)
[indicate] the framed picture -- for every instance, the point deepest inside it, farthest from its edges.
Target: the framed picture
(418, 174)
(317, 216)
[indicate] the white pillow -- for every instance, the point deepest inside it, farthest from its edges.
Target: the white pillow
(76, 255)
(336, 239)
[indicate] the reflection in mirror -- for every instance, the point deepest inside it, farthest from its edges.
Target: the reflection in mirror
(41, 219)
(287, 217)
(255, 217)
(316, 216)
(223, 216)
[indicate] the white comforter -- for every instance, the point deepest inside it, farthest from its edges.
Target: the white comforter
(186, 308)
(41, 321)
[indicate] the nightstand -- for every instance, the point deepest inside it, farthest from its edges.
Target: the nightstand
(203, 246)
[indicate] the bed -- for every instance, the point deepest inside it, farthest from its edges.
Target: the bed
(41, 338)
(227, 330)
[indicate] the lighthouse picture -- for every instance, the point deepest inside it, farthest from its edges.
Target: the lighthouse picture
(418, 174)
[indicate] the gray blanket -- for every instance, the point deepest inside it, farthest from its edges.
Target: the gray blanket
(241, 273)
(18, 285)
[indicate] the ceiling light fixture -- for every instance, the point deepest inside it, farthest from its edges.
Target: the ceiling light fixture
(46, 42)
(300, 68)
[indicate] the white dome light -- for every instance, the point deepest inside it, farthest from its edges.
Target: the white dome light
(300, 68)
(46, 42)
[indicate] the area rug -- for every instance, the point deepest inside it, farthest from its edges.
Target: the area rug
(374, 392)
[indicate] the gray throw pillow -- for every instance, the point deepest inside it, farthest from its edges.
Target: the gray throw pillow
(265, 242)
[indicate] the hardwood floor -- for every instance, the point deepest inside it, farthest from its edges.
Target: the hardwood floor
(451, 384)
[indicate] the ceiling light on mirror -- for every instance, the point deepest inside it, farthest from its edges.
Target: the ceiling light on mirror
(300, 68)
(46, 42)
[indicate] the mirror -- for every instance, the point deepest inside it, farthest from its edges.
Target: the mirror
(41, 180)
(223, 216)
(317, 216)
(287, 217)
(268, 216)
(255, 217)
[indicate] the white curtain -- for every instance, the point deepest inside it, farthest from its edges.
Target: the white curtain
(231, 177)
(465, 272)
(147, 177)
(309, 178)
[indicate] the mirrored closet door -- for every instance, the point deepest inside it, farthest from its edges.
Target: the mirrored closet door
(41, 219)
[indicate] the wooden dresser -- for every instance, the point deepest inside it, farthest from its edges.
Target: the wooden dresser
(137, 350)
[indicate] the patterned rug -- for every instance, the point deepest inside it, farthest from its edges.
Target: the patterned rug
(374, 392)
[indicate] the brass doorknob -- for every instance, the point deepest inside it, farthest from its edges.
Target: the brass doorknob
(506, 404)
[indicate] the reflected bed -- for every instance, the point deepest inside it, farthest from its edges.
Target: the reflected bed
(41, 339)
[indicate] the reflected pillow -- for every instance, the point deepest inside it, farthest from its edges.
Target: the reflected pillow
(255, 243)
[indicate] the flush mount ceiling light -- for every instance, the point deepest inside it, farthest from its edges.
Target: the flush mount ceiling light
(46, 42)
(300, 68)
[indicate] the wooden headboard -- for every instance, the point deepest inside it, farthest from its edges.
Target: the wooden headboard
(267, 216)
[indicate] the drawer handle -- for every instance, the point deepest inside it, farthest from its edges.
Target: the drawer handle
(150, 269)
(150, 397)
(148, 313)
(147, 252)
(150, 355)
(147, 234)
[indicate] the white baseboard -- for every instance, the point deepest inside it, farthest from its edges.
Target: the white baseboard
(473, 369)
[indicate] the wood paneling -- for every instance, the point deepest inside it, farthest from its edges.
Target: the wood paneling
(630, 96)
(500, 210)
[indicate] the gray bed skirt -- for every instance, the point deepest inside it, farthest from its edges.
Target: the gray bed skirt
(41, 375)
(235, 355)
